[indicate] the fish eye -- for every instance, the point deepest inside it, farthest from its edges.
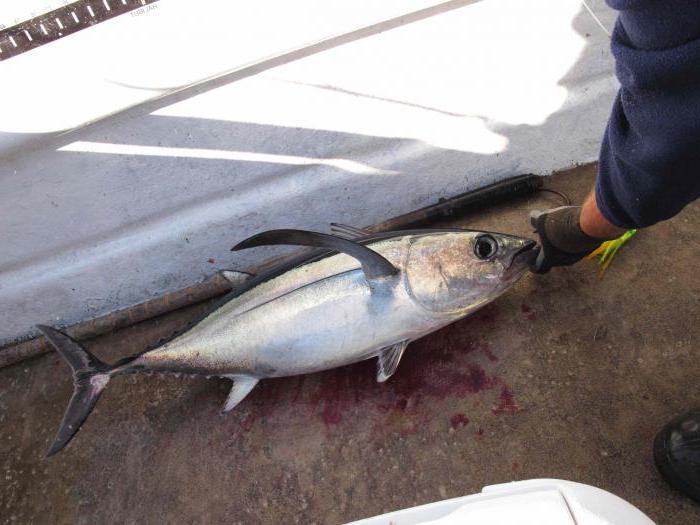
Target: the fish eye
(485, 247)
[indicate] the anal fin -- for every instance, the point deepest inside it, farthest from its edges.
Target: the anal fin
(242, 385)
(388, 360)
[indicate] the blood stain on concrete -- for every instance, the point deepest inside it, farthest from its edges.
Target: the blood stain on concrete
(529, 314)
(247, 422)
(485, 348)
(506, 402)
(459, 420)
(437, 367)
(331, 414)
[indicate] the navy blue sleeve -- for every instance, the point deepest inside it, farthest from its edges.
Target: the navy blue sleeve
(649, 165)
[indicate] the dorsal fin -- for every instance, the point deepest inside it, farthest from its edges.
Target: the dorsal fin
(373, 264)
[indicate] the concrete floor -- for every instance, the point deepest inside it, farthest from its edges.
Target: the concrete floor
(566, 376)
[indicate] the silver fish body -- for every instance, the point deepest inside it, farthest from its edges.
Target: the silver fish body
(326, 312)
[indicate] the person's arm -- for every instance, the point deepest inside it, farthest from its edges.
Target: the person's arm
(594, 224)
(650, 154)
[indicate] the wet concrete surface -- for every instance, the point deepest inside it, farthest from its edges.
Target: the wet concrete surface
(566, 376)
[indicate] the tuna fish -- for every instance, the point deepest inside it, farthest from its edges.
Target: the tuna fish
(351, 300)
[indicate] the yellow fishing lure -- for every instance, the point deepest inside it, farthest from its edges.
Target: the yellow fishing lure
(608, 249)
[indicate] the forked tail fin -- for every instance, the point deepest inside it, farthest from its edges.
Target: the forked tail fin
(90, 376)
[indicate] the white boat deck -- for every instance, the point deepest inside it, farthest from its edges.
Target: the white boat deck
(226, 121)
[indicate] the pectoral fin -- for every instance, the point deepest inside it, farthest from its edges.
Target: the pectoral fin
(242, 385)
(235, 277)
(388, 360)
(374, 265)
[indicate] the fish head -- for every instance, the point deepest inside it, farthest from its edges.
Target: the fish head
(457, 272)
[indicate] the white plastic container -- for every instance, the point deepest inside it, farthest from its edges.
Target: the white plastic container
(530, 502)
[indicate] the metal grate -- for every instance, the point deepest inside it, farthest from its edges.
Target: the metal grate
(62, 22)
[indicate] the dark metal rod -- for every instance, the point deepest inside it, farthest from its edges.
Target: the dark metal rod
(444, 209)
(449, 209)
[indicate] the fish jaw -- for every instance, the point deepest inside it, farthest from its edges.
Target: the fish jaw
(521, 261)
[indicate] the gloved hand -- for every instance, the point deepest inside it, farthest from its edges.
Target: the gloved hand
(561, 239)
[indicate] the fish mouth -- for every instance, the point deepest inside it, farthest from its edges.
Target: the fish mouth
(527, 253)
(522, 259)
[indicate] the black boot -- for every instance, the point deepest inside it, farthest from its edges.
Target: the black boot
(677, 454)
